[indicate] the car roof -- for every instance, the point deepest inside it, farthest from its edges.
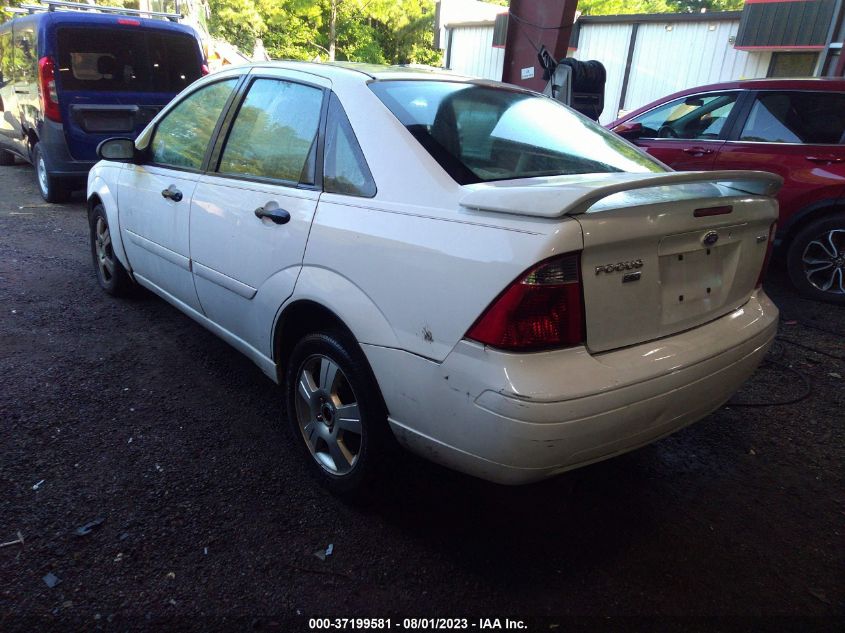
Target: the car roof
(365, 72)
(46, 19)
(799, 83)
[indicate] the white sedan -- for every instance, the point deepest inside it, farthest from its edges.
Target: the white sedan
(466, 267)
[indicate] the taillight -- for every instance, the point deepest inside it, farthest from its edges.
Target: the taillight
(769, 248)
(49, 94)
(540, 310)
(205, 70)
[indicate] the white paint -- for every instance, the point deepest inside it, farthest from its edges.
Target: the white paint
(472, 53)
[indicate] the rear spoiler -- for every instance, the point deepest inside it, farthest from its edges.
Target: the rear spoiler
(558, 197)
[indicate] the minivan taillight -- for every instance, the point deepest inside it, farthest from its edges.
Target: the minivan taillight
(540, 310)
(49, 94)
(769, 248)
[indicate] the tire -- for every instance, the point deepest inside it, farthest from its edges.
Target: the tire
(336, 413)
(111, 275)
(52, 189)
(6, 158)
(816, 260)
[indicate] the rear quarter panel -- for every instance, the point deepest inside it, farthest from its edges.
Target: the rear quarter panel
(429, 277)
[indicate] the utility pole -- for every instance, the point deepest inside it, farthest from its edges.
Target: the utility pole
(332, 30)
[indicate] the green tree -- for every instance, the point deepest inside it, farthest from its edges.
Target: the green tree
(374, 31)
(695, 6)
(623, 7)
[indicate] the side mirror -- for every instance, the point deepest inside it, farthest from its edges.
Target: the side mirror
(121, 150)
(629, 131)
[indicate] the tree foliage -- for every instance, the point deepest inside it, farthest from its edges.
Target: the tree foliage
(628, 7)
(374, 31)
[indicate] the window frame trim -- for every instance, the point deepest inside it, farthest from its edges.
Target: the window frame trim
(222, 138)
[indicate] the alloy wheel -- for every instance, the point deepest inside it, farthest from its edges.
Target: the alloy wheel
(328, 415)
(824, 262)
(41, 169)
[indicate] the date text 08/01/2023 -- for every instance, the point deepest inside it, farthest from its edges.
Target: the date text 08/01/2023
(415, 624)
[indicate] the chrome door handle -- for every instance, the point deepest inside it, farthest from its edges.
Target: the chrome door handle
(272, 212)
(172, 193)
(825, 159)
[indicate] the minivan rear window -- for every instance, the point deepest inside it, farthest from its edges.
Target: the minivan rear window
(118, 60)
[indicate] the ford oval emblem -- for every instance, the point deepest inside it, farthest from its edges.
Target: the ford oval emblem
(710, 238)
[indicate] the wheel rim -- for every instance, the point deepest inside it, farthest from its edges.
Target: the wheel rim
(328, 415)
(103, 249)
(41, 169)
(824, 262)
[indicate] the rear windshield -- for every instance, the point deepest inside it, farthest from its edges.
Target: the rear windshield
(481, 133)
(125, 60)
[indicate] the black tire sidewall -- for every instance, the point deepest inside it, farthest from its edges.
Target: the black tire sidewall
(120, 283)
(795, 265)
(374, 452)
(57, 191)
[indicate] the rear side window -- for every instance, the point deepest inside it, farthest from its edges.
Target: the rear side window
(797, 117)
(5, 58)
(275, 132)
(345, 170)
(23, 68)
(116, 60)
(182, 136)
(480, 133)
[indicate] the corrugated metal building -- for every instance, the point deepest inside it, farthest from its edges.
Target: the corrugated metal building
(650, 56)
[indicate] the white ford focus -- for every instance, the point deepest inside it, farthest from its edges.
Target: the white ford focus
(471, 268)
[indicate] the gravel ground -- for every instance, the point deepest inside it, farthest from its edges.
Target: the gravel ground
(127, 411)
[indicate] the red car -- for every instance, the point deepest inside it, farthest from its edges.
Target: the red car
(791, 127)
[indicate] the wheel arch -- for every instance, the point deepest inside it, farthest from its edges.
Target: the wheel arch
(99, 193)
(805, 216)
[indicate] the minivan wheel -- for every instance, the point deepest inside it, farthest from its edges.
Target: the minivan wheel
(816, 260)
(336, 412)
(6, 158)
(52, 188)
(111, 275)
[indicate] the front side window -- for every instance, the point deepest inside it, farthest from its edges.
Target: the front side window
(181, 137)
(482, 133)
(796, 117)
(345, 169)
(275, 132)
(700, 117)
(114, 60)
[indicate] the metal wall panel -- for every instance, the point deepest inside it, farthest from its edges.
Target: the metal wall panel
(472, 53)
(607, 43)
(689, 54)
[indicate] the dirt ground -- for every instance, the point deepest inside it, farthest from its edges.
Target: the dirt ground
(129, 412)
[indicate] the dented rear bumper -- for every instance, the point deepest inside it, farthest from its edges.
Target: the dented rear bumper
(517, 418)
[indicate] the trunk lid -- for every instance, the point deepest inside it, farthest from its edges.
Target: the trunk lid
(662, 253)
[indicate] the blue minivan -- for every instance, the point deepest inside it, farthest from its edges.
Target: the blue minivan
(70, 79)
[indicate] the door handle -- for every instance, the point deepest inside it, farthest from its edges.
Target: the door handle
(273, 212)
(698, 151)
(825, 159)
(172, 193)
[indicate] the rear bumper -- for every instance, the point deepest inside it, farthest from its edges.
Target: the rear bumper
(57, 155)
(517, 418)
